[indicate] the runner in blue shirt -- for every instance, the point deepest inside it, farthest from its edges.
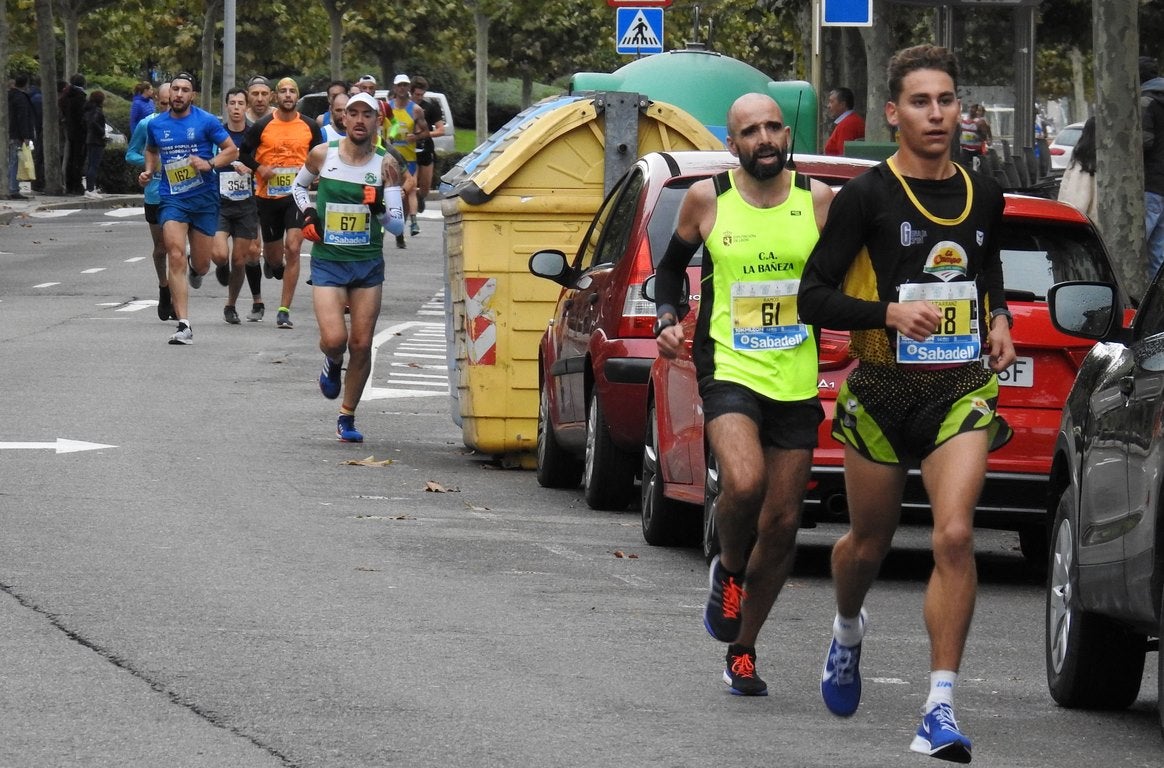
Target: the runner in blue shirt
(181, 145)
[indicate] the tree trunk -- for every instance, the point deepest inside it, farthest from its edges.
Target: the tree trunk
(70, 19)
(4, 103)
(335, 20)
(1079, 108)
(878, 48)
(526, 90)
(482, 73)
(1119, 171)
(209, 20)
(47, 50)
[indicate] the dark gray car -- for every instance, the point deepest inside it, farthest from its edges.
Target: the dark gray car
(1105, 583)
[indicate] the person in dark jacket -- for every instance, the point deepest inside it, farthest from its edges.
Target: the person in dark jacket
(94, 139)
(72, 106)
(21, 129)
(1152, 115)
(37, 97)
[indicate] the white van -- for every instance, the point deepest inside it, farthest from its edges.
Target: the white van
(314, 104)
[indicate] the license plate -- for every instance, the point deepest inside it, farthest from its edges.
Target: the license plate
(1020, 373)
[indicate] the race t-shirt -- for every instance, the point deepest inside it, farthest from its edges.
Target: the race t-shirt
(350, 232)
(177, 140)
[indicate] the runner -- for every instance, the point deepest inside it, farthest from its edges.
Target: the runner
(407, 123)
(238, 219)
(425, 147)
(334, 88)
(359, 194)
(180, 143)
(909, 264)
(757, 366)
(275, 149)
(334, 128)
(258, 98)
(135, 155)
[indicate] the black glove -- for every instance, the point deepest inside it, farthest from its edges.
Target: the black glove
(374, 199)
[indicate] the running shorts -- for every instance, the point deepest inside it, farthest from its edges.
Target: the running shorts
(893, 414)
(239, 218)
(347, 274)
(787, 425)
(276, 216)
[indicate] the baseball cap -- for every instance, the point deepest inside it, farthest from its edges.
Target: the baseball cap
(367, 79)
(364, 98)
(258, 80)
(401, 79)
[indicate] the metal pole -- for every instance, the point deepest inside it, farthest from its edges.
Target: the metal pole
(228, 54)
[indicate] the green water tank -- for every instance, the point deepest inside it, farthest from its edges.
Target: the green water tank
(704, 84)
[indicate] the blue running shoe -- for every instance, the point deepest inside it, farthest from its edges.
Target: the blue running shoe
(725, 601)
(329, 379)
(345, 429)
(840, 683)
(938, 736)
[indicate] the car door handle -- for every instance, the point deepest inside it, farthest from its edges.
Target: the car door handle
(1127, 385)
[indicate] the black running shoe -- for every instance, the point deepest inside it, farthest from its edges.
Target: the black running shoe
(740, 672)
(724, 603)
(256, 313)
(230, 314)
(400, 243)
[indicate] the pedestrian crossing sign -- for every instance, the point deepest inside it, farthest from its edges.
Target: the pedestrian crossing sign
(639, 30)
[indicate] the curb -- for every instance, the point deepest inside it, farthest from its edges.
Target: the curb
(71, 202)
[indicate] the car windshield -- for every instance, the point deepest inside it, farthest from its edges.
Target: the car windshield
(664, 218)
(1068, 137)
(1036, 255)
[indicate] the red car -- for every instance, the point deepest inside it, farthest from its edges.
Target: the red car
(595, 357)
(1043, 242)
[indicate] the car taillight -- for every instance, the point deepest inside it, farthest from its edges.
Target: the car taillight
(1058, 151)
(834, 351)
(638, 314)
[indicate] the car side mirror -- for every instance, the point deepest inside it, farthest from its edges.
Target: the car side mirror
(1083, 309)
(551, 265)
(648, 293)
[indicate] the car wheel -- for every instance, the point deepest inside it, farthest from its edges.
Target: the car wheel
(663, 519)
(557, 468)
(608, 474)
(710, 502)
(1092, 662)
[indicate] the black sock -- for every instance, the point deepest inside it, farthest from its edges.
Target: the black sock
(254, 278)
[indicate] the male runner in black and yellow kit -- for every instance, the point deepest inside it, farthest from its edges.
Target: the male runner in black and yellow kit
(908, 262)
(757, 365)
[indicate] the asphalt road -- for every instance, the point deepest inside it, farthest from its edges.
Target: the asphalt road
(217, 587)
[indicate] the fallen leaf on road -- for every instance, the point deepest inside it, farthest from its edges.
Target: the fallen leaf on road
(434, 487)
(619, 553)
(368, 462)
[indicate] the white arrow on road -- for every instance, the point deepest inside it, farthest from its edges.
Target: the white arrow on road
(61, 445)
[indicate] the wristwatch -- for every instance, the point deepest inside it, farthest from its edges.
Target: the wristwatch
(666, 321)
(1004, 312)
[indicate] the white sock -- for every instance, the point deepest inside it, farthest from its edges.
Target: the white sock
(941, 688)
(848, 631)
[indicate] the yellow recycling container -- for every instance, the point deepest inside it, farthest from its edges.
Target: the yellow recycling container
(535, 184)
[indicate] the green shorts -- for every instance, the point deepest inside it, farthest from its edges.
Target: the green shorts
(893, 414)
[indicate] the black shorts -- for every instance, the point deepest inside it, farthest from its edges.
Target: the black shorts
(426, 153)
(239, 218)
(151, 213)
(276, 216)
(789, 425)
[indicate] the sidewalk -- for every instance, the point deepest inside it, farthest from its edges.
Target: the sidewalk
(12, 209)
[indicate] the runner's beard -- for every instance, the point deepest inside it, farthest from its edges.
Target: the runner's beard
(752, 165)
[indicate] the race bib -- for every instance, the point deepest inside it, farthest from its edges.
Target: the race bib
(956, 339)
(347, 224)
(280, 182)
(181, 175)
(764, 316)
(233, 185)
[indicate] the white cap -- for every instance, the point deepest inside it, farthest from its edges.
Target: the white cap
(367, 79)
(402, 79)
(364, 98)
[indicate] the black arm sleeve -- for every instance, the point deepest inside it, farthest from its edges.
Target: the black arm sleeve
(669, 276)
(251, 140)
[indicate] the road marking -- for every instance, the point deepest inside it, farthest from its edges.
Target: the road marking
(61, 445)
(125, 213)
(45, 285)
(138, 305)
(92, 270)
(401, 388)
(135, 258)
(58, 214)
